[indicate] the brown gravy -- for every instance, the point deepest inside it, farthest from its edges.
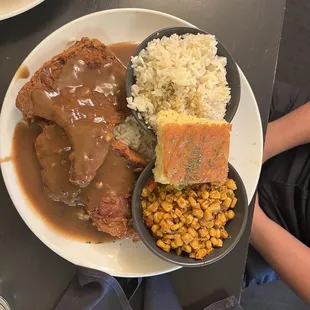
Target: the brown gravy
(58, 216)
(124, 51)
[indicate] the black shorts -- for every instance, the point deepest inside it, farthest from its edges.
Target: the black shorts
(284, 183)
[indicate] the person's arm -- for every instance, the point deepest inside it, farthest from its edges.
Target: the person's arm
(288, 256)
(287, 132)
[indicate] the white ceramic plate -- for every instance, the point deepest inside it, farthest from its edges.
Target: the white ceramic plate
(122, 258)
(10, 8)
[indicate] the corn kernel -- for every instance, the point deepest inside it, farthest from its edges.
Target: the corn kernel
(192, 201)
(214, 207)
(162, 196)
(143, 204)
(195, 224)
(176, 226)
(192, 194)
(164, 226)
(178, 251)
(192, 232)
(192, 255)
(145, 192)
(215, 195)
(210, 224)
(147, 213)
(214, 241)
(181, 202)
(168, 217)
(203, 222)
(231, 184)
(169, 188)
(182, 230)
(218, 223)
(219, 243)
(209, 245)
(167, 206)
(183, 219)
(151, 186)
(178, 240)
(195, 245)
(163, 246)
(178, 212)
(151, 197)
(230, 194)
(159, 234)
(222, 218)
(224, 234)
(227, 202)
(187, 238)
(230, 214)
(189, 219)
(167, 241)
(158, 216)
(233, 203)
(201, 253)
(223, 196)
(198, 213)
(169, 198)
(205, 204)
(203, 233)
(155, 228)
(218, 233)
(212, 232)
(187, 248)
(208, 215)
(153, 207)
(173, 244)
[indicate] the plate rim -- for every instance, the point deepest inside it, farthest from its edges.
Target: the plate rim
(3, 167)
(21, 10)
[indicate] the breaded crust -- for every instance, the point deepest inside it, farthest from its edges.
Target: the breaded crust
(91, 51)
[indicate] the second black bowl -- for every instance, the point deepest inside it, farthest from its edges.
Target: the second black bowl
(234, 227)
(232, 74)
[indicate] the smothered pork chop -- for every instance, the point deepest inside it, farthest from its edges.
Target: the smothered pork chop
(107, 197)
(78, 98)
(80, 90)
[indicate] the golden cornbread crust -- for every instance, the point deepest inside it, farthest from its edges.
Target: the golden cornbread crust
(191, 150)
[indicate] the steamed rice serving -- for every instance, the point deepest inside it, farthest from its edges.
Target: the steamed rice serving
(182, 73)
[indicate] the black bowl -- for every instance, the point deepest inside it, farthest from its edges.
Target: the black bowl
(234, 227)
(232, 75)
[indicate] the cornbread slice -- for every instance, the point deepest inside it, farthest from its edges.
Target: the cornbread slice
(191, 150)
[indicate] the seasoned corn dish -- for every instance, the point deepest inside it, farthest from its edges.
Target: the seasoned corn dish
(191, 220)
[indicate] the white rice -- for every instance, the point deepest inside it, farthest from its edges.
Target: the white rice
(182, 73)
(131, 133)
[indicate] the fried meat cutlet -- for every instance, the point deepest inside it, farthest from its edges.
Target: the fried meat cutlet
(80, 90)
(53, 149)
(133, 159)
(107, 197)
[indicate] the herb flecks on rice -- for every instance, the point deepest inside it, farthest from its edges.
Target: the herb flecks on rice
(182, 73)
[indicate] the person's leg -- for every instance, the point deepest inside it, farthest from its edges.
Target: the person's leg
(271, 296)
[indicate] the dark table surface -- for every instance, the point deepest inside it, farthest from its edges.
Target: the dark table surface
(31, 275)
